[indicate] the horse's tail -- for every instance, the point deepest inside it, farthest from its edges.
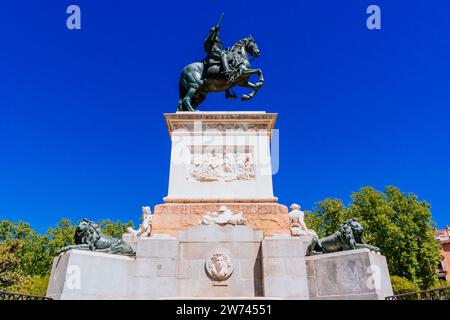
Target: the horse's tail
(182, 91)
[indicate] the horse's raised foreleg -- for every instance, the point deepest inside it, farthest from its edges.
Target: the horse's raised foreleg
(250, 85)
(254, 86)
(257, 72)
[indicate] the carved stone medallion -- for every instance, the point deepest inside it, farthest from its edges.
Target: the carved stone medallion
(218, 265)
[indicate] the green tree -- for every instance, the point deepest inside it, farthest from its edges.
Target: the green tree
(399, 224)
(15, 230)
(39, 250)
(114, 229)
(327, 216)
(31, 285)
(26, 257)
(60, 236)
(402, 285)
(10, 273)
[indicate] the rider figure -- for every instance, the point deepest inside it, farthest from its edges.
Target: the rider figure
(216, 54)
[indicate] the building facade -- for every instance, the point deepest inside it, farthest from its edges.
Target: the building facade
(443, 236)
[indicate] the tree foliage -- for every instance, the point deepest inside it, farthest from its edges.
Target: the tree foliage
(26, 257)
(402, 285)
(10, 272)
(327, 216)
(399, 224)
(114, 229)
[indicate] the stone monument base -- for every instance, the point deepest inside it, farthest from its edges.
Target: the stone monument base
(348, 275)
(212, 261)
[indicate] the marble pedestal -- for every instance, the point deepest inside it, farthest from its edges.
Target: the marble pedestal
(168, 267)
(86, 275)
(220, 159)
(348, 275)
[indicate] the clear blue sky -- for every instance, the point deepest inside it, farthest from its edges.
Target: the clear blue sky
(81, 126)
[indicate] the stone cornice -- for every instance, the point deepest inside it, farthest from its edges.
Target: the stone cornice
(220, 121)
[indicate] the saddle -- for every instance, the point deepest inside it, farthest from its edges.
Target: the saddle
(212, 67)
(212, 62)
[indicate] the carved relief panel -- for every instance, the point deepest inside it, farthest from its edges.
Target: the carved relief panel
(221, 164)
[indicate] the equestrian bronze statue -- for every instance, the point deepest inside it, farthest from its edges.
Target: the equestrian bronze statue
(221, 70)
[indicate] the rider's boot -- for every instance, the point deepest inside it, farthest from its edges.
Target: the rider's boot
(224, 62)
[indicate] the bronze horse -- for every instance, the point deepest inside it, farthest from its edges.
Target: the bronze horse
(196, 82)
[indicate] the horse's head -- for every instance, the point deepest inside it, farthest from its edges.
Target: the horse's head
(251, 47)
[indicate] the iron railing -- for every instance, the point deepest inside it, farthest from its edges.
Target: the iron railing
(433, 294)
(7, 295)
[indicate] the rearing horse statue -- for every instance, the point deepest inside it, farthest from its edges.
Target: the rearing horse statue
(198, 79)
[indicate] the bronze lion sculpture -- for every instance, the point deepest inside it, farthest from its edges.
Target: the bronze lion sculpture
(88, 236)
(348, 237)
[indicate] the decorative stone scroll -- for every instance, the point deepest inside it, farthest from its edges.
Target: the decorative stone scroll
(219, 266)
(222, 166)
(222, 217)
